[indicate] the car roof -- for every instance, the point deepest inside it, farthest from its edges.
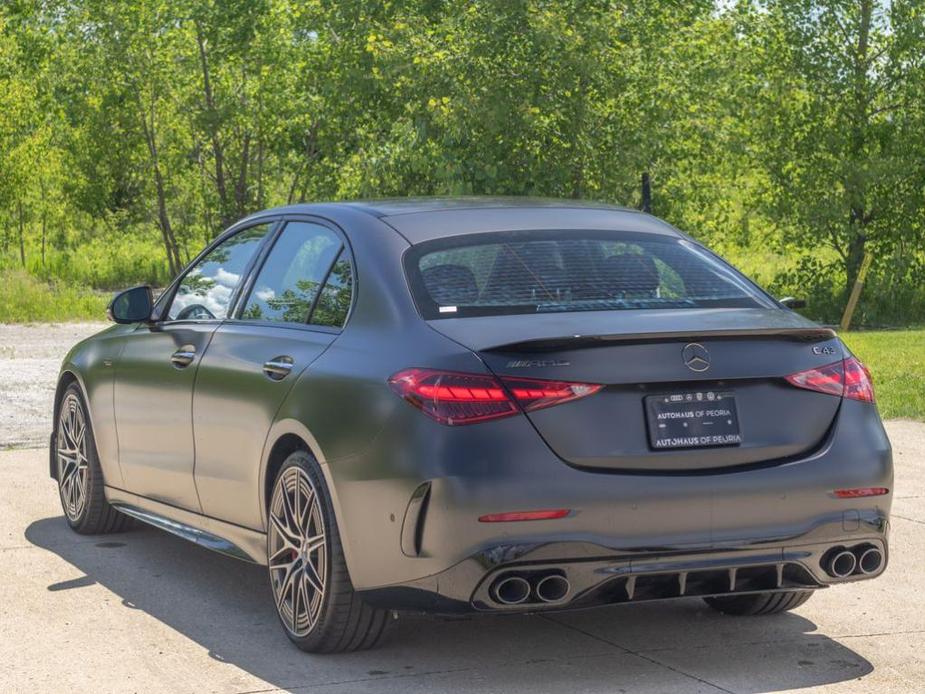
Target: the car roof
(425, 219)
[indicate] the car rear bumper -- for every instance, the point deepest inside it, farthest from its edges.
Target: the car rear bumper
(417, 541)
(598, 575)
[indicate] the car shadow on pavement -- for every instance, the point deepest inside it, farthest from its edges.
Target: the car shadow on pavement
(224, 605)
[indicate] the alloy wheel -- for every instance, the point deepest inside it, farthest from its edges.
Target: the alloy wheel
(71, 452)
(297, 551)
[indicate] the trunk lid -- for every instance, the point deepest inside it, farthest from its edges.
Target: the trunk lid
(637, 354)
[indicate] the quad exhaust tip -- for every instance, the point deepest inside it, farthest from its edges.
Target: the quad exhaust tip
(511, 590)
(870, 560)
(552, 588)
(841, 564)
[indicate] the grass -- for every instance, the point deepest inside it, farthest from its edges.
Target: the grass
(896, 358)
(25, 299)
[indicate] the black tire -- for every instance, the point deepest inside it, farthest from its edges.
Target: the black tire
(344, 621)
(93, 515)
(759, 603)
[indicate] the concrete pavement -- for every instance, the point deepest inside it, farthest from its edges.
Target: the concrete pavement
(144, 611)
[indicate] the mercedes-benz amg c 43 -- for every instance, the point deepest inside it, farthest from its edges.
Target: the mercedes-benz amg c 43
(485, 405)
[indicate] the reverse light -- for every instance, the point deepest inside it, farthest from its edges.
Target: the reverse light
(847, 378)
(509, 516)
(453, 398)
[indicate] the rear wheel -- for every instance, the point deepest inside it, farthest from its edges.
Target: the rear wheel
(759, 603)
(314, 596)
(80, 477)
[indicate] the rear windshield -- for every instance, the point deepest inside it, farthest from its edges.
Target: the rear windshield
(553, 272)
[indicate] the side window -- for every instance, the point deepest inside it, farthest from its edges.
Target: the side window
(334, 302)
(205, 291)
(290, 278)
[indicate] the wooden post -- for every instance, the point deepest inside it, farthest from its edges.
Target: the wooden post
(856, 291)
(646, 192)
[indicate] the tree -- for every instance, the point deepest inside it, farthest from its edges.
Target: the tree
(840, 114)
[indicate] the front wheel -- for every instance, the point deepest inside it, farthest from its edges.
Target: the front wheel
(315, 599)
(759, 603)
(80, 477)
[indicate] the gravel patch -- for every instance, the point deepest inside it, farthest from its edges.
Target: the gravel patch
(30, 357)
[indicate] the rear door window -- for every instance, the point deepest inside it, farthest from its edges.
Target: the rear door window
(543, 272)
(333, 303)
(288, 288)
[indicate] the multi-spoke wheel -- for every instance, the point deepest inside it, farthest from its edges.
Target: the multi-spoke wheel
(314, 597)
(72, 456)
(80, 478)
(297, 551)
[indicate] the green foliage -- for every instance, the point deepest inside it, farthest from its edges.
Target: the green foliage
(23, 299)
(788, 134)
(896, 360)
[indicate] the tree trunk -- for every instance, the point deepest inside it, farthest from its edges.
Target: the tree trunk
(22, 240)
(310, 154)
(218, 152)
(855, 185)
(44, 221)
(853, 260)
(240, 188)
(646, 192)
(260, 192)
(163, 218)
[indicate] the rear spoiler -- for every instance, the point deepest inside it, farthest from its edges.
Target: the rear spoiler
(549, 344)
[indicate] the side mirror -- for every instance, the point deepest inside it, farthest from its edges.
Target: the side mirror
(792, 303)
(131, 306)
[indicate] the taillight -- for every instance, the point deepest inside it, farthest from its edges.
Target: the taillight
(534, 394)
(848, 378)
(858, 383)
(455, 398)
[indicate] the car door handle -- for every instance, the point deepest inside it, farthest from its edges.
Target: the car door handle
(183, 357)
(278, 368)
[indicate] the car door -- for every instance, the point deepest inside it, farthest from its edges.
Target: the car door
(155, 373)
(294, 308)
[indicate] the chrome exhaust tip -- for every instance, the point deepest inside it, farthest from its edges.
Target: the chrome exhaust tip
(511, 590)
(870, 561)
(552, 588)
(841, 564)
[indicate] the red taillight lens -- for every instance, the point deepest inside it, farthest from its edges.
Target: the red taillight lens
(512, 516)
(533, 394)
(858, 383)
(455, 398)
(847, 378)
(860, 492)
(826, 379)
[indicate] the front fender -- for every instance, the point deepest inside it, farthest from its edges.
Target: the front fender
(91, 364)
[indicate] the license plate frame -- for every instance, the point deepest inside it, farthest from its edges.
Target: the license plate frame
(693, 419)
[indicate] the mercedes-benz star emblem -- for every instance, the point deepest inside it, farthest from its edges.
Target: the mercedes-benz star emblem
(696, 357)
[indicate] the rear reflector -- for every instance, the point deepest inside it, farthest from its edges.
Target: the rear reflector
(848, 378)
(524, 516)
(453, 398)
(861, 492)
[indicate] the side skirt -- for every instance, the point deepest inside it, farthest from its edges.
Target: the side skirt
(211, 533)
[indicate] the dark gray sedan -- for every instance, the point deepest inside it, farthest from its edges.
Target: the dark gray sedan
(478, 405)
